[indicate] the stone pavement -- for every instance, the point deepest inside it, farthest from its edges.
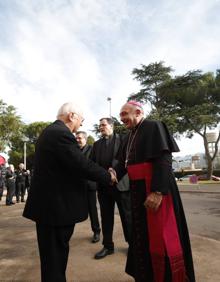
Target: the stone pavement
(19, 259)
(212, 188)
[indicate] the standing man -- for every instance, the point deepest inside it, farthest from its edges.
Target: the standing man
(81, 138)
(160, 248)
(10, 184)
(2, 179)
(104, 153)
(57, 196)
(1, 183)
(20, 188)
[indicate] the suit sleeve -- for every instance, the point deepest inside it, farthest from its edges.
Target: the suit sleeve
(120, 166)
(71, 157)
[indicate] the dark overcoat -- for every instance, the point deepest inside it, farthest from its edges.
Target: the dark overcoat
(57, 194)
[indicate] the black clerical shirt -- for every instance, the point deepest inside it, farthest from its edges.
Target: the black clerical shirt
(106, 154)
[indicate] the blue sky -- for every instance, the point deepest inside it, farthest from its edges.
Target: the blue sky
(53, 51)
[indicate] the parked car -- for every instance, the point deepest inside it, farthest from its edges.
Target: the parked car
(185, 177)
(215, 178)
(204, 177)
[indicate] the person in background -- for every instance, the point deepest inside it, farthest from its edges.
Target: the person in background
(86, 149)
(57, 198)
(160, 245)
(2, 179)
(10, 184)
(104, 153)
(28, 180)
(20, 188)
(1, 183)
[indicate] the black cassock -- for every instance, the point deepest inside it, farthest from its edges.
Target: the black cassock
(160, 249)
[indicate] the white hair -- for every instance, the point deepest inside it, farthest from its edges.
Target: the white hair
(69, 107)
(11, 166)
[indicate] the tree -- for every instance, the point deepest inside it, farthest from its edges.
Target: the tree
(29, 134)
(151, 77)
(10, 124)
(188, 103)
(90, 140)
(194, 99)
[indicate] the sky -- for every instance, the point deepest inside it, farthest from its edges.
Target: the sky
(55, 51)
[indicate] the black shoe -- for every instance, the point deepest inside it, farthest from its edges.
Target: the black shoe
(103, 253)
(22, 200)
(12, 203)
(96, 238)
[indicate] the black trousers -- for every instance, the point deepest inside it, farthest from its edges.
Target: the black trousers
(20, 190)
(93, 213)
(1, 192)
(10, 190)
(107, 199)
(53, 243)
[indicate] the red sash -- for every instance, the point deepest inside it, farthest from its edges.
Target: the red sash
(162, 229)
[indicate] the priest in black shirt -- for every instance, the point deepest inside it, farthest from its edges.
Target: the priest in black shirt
(104, 153)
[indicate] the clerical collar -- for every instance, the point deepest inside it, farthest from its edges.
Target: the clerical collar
(108, 137)
(137, 125)
(82, 148)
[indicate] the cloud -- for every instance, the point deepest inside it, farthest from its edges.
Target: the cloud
(58, 50)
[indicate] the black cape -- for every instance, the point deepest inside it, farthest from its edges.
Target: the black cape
(152, 143)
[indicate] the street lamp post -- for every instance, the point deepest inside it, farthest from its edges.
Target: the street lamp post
(25, 151)
(25, 154)
(109, 99)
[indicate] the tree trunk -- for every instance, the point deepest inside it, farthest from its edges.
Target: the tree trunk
(208, 159)
(209, 168)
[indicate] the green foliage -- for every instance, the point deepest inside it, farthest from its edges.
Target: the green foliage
(194, 98)
(29, 134)
(10, 125)
(33, 130)
(119, 127)
(150, 78)
(188, 103)
(90, 140)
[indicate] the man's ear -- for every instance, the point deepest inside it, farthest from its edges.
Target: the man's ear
(70, 116)
(138, 112)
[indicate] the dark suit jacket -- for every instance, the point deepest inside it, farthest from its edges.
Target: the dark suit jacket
(123, 184)
(57, 194)
(87, 149)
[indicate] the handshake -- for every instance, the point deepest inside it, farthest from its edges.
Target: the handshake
(114, 179)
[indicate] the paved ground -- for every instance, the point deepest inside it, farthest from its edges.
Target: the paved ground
(19, 259)
(213, 188)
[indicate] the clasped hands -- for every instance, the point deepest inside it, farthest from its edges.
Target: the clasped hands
(153, 201)
(114, 179)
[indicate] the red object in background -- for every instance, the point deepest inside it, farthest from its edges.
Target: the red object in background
(193, 179)
(2, 160)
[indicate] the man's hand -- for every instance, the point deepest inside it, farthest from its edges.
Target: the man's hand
(153, 201)
(114, 179)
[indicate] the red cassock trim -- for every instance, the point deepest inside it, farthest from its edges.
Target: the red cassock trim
(162, 228)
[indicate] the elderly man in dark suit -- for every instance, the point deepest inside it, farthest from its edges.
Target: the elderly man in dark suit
(57, 197)
(81, 137)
